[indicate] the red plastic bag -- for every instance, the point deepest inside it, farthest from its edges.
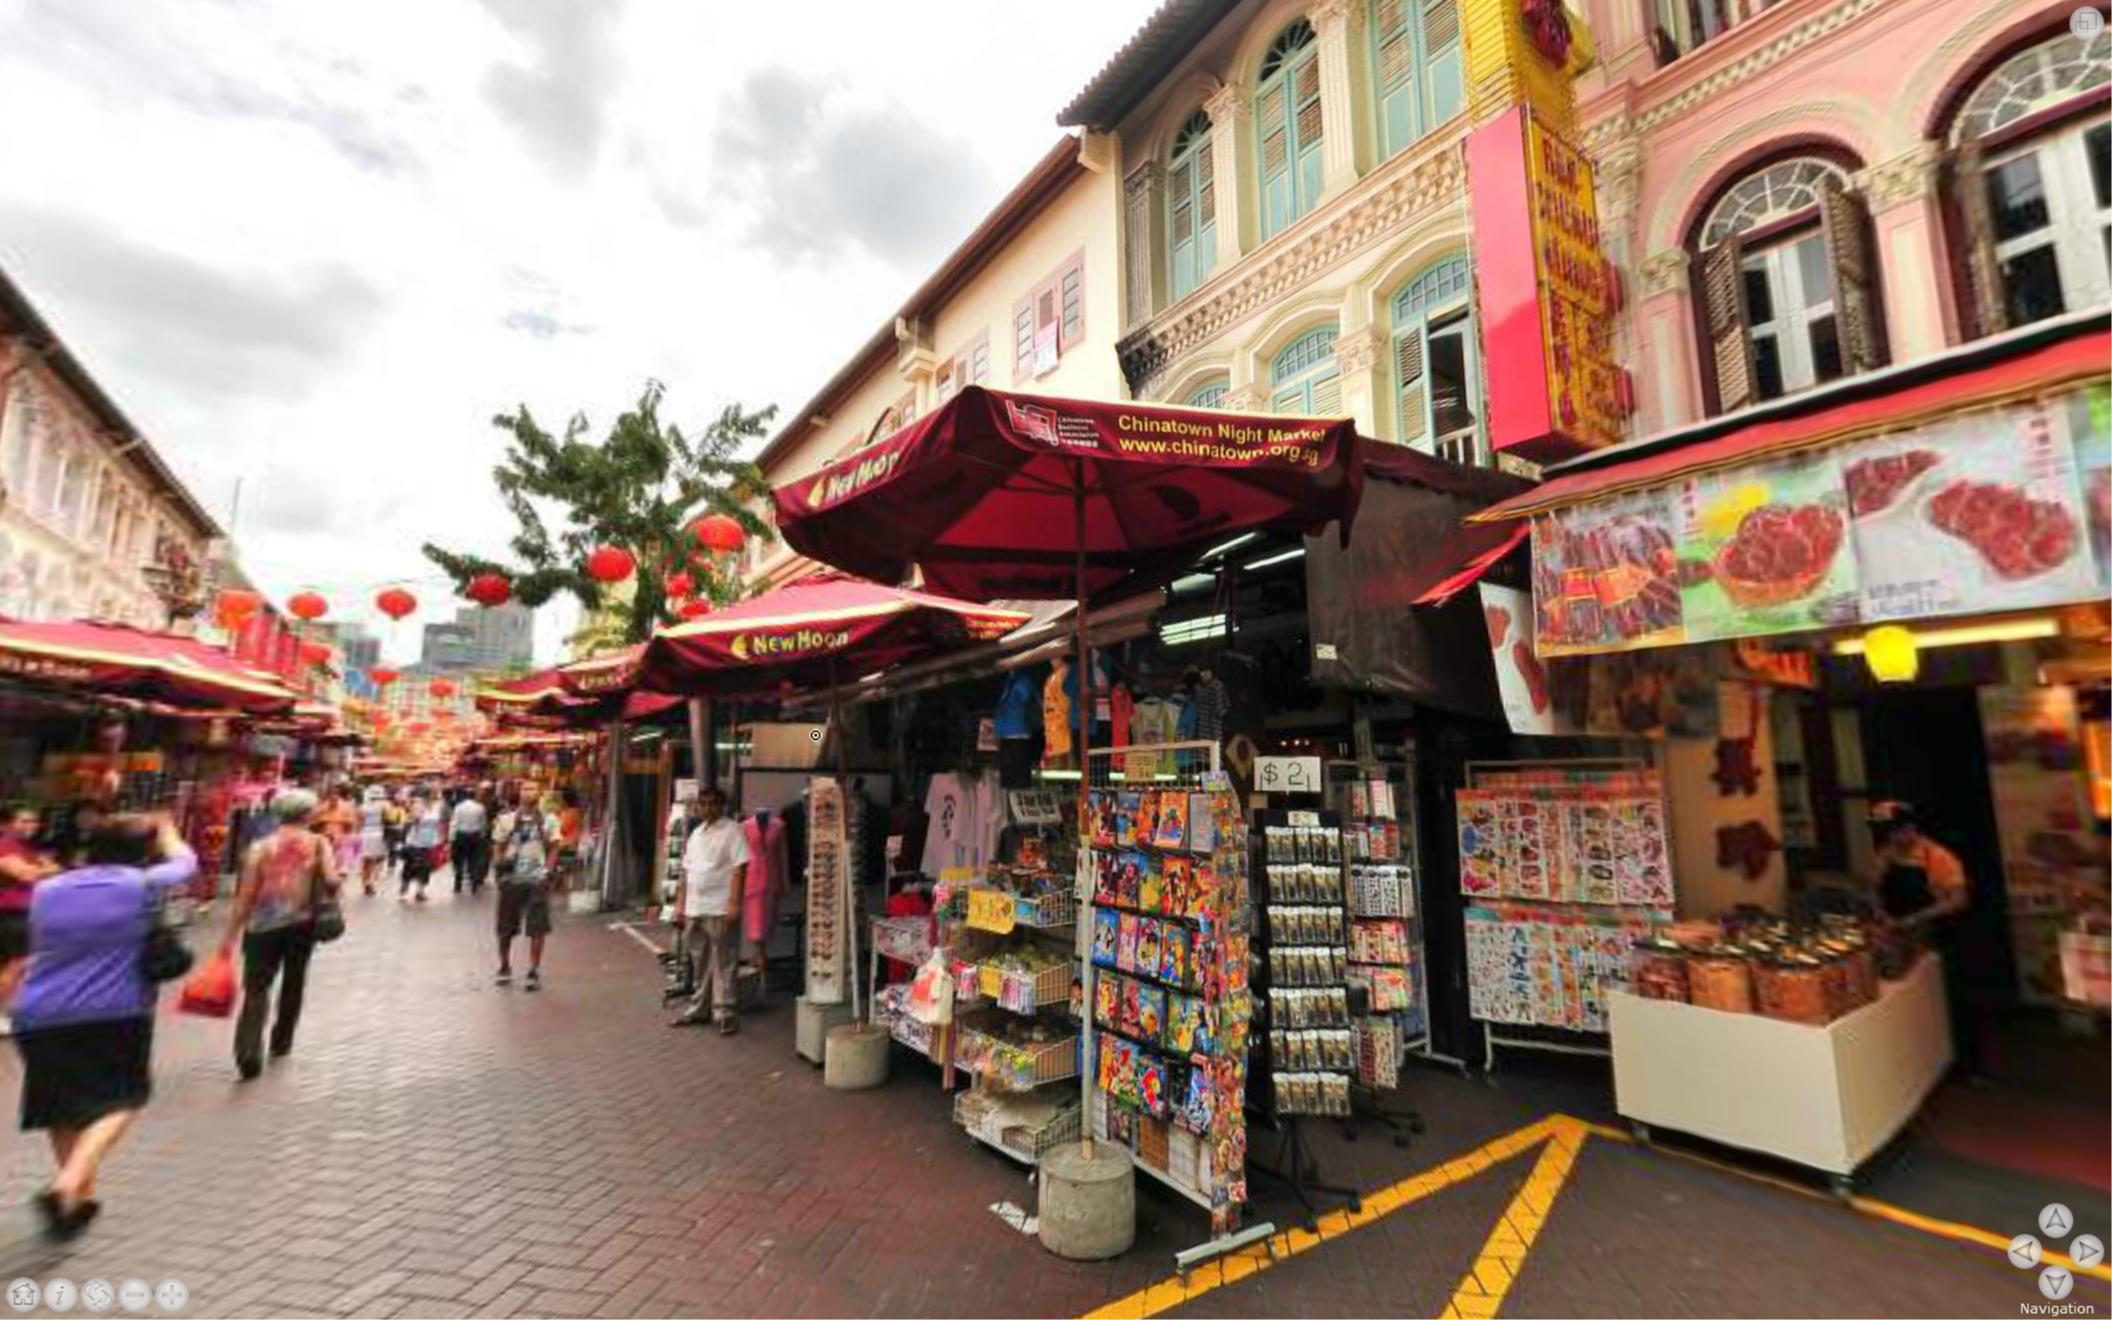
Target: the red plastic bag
(211, 990)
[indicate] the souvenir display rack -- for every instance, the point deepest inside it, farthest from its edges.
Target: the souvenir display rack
(1563, 865)
(1306, 1051)
(1382, 882)
(1012, 947)
(1167, 1042)
(830, 892)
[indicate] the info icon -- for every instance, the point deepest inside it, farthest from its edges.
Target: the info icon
(60, 1295)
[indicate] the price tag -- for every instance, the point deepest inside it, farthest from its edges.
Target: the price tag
(989, 980)
(992, 910)
(1140, 767)
(1287, 774)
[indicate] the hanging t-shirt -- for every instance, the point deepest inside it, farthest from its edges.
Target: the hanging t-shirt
(1015, 708)
(947, 808)
(1100, 706)
(1183, 719)
(1056, 718)
(1121, 711)
(1151, 722)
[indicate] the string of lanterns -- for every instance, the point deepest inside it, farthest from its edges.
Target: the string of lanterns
(715, 533)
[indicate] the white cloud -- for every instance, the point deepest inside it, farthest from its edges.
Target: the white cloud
(317, 247)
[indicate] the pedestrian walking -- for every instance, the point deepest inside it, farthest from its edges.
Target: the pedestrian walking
(527, 862)
(470, 846)
(22, 866)
(714, 876)
(395, 820)
(373, 837)
(85, 1019)
(338, 821)
(421, 841)
(286, 879)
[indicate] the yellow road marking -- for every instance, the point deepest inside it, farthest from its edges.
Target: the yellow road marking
(1482, 1291)
(1966, 1233)
(1157, 1299)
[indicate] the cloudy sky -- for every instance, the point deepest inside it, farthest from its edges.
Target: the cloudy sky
(316, 246)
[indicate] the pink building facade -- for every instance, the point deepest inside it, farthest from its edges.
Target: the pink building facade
(1806, 190)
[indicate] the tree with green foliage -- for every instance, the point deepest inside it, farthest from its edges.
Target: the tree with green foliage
(640, 488)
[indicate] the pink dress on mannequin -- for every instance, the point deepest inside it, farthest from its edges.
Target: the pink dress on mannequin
(769, 873)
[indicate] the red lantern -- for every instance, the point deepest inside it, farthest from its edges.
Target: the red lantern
(237, 605)
(718, 533)
(610, 563)
(380, 720)
(417, 726)
(307, 605)
(695, 609)
(396, 602)
(680, 585)
(382, 677)
(314, 654)
(441, 688)
(489, 590)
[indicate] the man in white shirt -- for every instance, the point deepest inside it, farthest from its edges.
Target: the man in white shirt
(471, 848)
(715, 877)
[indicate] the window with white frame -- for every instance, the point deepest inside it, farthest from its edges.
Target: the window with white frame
(1418, 67)
(1436, 363)
(1049, 321)
(2037, 202)
(1304, 379)
(1786, 285)
(1210, 394)
(1191, 205)
(1289, 126)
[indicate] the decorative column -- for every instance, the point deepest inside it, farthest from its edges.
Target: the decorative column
(1907, 224)
(1358, 354)
(1334, 21)
(1616, 184)
(1247, 399)
(1229, 109)
(1141, 228)
(1665, 365)
(916, 361)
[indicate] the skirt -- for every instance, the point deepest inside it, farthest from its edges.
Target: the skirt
(75, 1074)
(373, 845)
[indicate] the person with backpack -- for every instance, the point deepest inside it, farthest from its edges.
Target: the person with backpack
(287, 896)
(528, 841)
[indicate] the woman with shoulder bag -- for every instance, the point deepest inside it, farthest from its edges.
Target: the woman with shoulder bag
(84, 1021)
(286, 901)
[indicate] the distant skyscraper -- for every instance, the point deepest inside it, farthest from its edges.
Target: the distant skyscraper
(501, 638)
(357, 648)
(448, 646)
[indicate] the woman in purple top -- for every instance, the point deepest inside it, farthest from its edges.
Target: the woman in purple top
(85, 1018)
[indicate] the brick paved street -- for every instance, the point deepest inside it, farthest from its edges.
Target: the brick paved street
(439, 1147)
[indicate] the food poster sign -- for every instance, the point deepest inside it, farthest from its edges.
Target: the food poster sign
(2089, 417)
(1532, 693)
(1606, 577)
(1982, 512)
(1765, 550)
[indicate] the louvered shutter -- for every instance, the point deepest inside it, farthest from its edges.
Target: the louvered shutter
(1723, 312)
(1180, 188)
(1844, 226)
(1443, 60)
(1440, 26)
(1310, 130)
(1983, 268)
(1273, 125)
(1327, 396)
(1396, 61)
(1072, 285)
(1023, 338)
(1408, 365)
(1290, 401)
(1205, 204)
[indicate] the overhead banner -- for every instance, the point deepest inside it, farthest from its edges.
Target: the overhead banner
(2001, 509)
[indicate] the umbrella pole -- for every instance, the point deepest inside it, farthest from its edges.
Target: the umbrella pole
(1085, 725)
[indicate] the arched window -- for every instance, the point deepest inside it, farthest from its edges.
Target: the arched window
(2034, 178)
(1437, 372)
(1785, 283)
(1191, 199)
(1210, 394)
(1288, 121)
(1304, 378)
(1417, 67)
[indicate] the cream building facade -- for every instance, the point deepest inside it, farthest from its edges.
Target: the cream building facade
(1030, 301)
(93, 523)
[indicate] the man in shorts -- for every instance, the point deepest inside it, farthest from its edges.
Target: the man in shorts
(527, 847)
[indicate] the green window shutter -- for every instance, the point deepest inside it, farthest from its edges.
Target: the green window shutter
(1309, 130)
(1414, 422)
(1327, 395)
(1180, 198)
(1442, 59)
(1205, 207)
(1290, 401)
(1394, 53)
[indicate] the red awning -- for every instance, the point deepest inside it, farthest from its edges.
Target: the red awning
(2020, 365)
(121, 661)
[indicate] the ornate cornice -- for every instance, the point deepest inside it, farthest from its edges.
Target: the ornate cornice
(1419, 187)
(1356, 350)
(1758, 60)
(1330, 15)
(1141, 180)
(1226, 104)
(1247, 399)
(1665, 273)
(1912, 176)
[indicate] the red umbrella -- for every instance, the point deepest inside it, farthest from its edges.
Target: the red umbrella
(811, 634)
(1013, 495)
(132, 662)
